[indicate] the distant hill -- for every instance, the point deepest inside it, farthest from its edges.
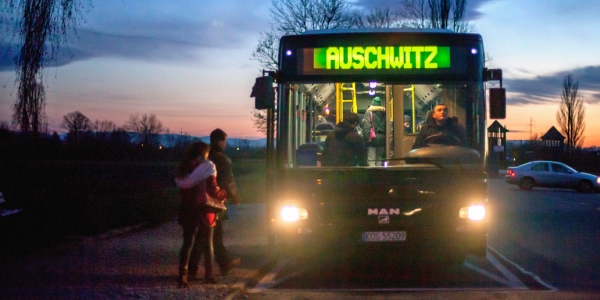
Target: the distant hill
(231, 141)
(168, 139)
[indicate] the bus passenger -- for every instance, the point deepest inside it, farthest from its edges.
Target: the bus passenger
(374, 118)
(440, 125)
(344, 146)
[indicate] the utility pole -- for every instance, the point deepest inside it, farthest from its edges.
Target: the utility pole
(530, 127)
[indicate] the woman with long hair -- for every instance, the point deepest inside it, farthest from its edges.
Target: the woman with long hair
(196, 176)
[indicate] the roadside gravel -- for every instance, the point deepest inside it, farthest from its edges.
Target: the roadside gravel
(136, 263)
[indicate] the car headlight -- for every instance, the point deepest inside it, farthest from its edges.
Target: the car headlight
(473, 212)
(598, 180)
(293, 213)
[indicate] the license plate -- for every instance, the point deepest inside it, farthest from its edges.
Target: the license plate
(384, 236)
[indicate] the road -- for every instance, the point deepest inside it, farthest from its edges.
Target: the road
(554, 233)
(544, 244)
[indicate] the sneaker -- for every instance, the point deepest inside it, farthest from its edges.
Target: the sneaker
(232, 264)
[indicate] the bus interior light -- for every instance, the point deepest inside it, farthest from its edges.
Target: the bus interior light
(288, 52)
(373, 84)
(473, 51)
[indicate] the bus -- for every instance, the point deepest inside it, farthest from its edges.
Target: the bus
(431, 199)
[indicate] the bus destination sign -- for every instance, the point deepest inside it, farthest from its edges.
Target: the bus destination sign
(320, 60)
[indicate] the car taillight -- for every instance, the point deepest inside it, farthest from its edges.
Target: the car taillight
(511, 173)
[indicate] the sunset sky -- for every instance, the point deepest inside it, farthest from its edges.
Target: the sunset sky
(189, 63)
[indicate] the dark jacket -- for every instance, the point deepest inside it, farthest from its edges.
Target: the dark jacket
(224, 166)
(378, 115)
(431, 128)
(344, 147)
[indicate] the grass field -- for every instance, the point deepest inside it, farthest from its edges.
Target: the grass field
(88, 198)
(250, 175)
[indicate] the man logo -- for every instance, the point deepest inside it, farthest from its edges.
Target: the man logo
(383, 211)
(385, 219)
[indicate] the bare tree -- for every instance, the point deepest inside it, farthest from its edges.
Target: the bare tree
(260, 121)
(444, 14)
(77, 125)
(147, 126)
(377, 18)
(104, 126)
(103, 129)
(458, 23)
(298, 16)
(29, 110)
(415, 13)
(266, 50)
(41, 26)
(571, 114)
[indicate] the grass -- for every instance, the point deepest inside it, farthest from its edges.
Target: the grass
(85, 199)
(250, 176)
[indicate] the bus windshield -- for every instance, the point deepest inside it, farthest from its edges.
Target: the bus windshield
(392, 119)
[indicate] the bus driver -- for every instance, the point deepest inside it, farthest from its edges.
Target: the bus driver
(440, 125)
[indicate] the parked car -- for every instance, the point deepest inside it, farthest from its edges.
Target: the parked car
(551, 174)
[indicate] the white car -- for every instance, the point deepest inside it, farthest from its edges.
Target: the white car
(551, 174)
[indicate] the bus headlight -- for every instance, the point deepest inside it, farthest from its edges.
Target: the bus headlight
(293, 213)
(473, 212)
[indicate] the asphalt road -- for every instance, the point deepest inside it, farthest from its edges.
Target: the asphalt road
(543, 244)
(553, 233)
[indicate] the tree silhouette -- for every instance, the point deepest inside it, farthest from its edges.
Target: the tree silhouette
(103, 129)
(41, 27)
(147, 126)
(571, 114)
(30, 109)
(77, 124)
(444, 14)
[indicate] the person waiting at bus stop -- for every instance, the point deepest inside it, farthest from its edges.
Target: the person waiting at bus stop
(225, 180)
(442, 127)
(196, 179)
(344, 146)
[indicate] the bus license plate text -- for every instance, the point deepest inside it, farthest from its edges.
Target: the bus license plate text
(384, 236)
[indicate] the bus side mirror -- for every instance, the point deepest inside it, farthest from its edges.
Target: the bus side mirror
(497, 103)
(263, 93)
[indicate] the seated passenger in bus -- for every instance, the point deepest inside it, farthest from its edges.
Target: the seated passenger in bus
(344, 146)
(442, 127)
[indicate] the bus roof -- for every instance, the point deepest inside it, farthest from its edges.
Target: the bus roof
(378, 30)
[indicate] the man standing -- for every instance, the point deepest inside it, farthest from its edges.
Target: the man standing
(440, 124)
(218, 141)
(344, 146)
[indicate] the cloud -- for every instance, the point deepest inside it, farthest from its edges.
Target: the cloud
(155, 30)
(66, 55)
(547, 89)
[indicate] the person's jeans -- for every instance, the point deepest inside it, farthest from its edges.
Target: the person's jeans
(221, 255)
(375, 156)
(197, 240)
